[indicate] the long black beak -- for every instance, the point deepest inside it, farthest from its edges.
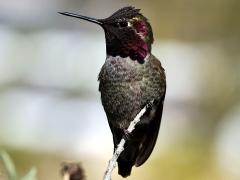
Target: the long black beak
(96, 21)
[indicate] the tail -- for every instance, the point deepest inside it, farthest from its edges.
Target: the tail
(128, 158)
(124, 168)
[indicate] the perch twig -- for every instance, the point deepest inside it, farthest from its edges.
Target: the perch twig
(120, 147)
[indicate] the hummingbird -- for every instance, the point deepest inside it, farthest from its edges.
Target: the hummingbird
(130, 79)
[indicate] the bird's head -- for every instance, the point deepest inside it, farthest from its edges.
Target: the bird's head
(128, 33)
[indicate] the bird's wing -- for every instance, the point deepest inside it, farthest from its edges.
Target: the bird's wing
(151, 133)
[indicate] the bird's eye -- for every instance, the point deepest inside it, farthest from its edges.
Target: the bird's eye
(121, 24)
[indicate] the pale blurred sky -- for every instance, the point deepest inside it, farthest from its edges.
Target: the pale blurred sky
(49, 99)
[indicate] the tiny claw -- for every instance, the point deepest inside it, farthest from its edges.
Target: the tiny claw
(149, 105)
(127, 135)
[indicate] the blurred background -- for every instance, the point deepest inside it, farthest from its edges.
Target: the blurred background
(50, 108)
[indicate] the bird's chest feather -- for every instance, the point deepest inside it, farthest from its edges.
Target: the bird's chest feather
(121, 81)
(121, 70)
(126, 86)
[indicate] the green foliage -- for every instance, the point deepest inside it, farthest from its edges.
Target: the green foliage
(31, 175)
(11, 170)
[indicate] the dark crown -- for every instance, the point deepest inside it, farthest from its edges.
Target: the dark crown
(126, 12)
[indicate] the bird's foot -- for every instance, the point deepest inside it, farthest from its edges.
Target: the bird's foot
(127, 135)
(149, 105)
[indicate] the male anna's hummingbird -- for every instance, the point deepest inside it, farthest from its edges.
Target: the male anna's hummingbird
(130, 79)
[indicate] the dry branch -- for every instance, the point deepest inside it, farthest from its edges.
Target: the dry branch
(120, 147)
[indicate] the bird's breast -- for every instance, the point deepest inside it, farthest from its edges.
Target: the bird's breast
(120, 69)
(126, 86)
